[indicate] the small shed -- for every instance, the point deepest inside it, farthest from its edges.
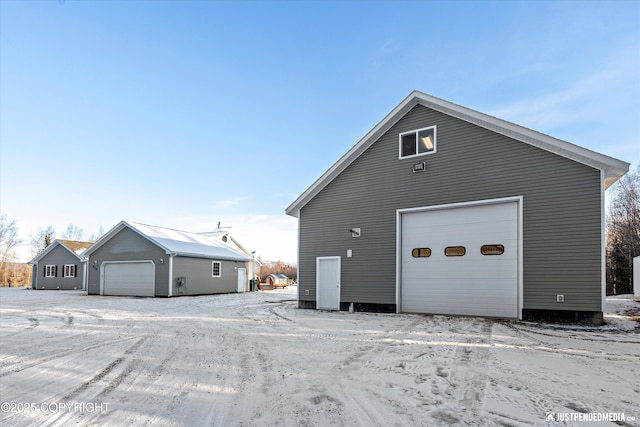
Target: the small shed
(278, 280)
(134, 259)
(59, 266)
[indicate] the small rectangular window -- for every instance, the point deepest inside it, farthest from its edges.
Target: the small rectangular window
(492, 250)
(418, 142)
(69, 270)
(455, 251)
(409, 144)
(421, 253)
(215, 268)
(50, 271)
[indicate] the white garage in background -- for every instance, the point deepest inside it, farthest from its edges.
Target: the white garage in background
(133, 278)
(461, 259)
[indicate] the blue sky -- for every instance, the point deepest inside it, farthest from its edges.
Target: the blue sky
(186, 113)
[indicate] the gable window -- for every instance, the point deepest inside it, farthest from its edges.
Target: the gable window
(69, 270)
(50, 271)
(418, 142)
(215, 268)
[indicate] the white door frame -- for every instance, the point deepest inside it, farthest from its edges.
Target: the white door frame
(399, 212)
(318, 292)
(242, 287)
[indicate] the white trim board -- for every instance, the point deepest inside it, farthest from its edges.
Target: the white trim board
(613, 168)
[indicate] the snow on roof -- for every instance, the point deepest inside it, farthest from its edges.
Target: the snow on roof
(226, 237)
(188, 244)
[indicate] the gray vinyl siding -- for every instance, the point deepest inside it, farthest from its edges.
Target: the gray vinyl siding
(561, 211)
(197, 272)
(59, 257)
(127, 245)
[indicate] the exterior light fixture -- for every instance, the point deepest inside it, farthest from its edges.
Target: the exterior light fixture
(355, 232)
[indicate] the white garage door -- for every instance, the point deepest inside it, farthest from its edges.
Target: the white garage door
(461, 261)
(129, 278)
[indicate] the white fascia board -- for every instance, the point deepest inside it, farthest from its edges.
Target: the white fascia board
(351, 155)
(44, 252)
(102, 240)
(213, 257)
(614, 169)
(50, 248)
(70, 251)
(115, 230)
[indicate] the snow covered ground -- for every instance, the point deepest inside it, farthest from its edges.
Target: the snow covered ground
(255, 359)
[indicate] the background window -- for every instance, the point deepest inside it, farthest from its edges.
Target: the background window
(50, 271)
(421, 141)
(215, 269)
(421, 253)
(455, 251)
(492, 250)
(69, 270)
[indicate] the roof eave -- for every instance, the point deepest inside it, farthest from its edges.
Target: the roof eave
(614, 169)
(211, 257)
(361, 146)
(44, 252)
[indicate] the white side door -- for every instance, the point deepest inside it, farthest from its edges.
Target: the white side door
(242, 279)
(328, 283)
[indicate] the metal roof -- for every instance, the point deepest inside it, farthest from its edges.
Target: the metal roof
(176, 242)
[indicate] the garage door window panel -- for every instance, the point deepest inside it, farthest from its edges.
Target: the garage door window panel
(421, 252)
(492, 249)
(455, 251)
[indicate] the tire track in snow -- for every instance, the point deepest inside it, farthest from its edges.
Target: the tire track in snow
(61, 354)
(466, 382)
(106, 371)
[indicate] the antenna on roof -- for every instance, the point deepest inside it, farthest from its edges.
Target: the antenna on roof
(220, 228)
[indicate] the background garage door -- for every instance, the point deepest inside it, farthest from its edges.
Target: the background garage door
(129, 279)
(471, 284)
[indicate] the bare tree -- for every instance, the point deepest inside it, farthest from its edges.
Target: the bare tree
(623, 233)
(73, 232)
(95, 236)
(8, 242)
(42, 239)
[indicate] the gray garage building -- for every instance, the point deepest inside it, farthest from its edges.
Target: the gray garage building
(443, 209)
(135, 259)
